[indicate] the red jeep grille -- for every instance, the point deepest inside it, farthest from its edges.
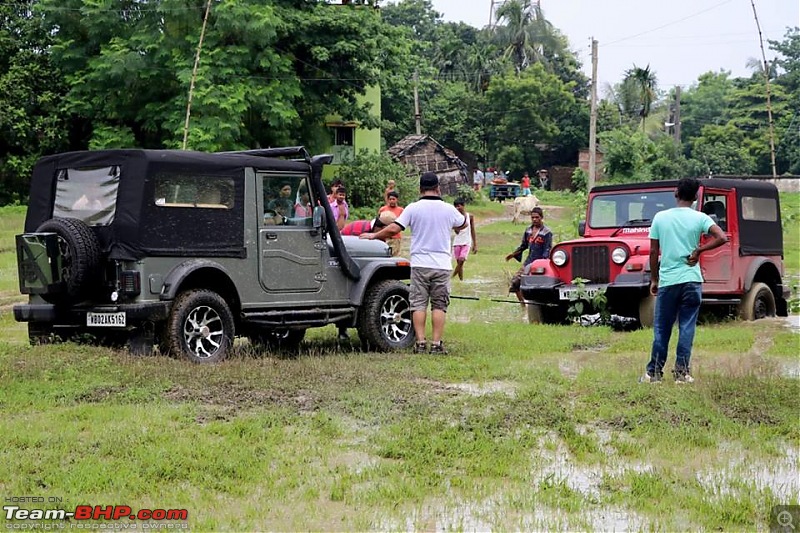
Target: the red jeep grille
(591, 262)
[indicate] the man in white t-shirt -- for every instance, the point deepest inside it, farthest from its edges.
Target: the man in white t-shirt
(431, 220)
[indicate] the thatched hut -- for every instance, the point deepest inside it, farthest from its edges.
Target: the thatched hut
(424, 154)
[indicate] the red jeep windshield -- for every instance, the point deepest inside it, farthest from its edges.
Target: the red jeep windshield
(614, 210)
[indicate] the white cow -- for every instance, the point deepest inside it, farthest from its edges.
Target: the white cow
(523, 206)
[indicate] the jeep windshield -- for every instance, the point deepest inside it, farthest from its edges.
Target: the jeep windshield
(618, 210)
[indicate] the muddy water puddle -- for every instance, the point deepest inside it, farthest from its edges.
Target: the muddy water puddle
(743, 474)
(738, 472)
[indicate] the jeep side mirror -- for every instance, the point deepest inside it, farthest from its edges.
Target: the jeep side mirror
(318, 218)
(581, 227)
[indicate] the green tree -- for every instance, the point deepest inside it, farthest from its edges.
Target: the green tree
(31, 97)
(525, 35)
(269, 72)
(527, 111)
(705, 103)
(748, 114)
(368, 174)
(645, 83)
(720, 150)
(788, 126)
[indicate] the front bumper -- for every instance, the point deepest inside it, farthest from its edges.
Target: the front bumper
(76, 315)
(623, 294)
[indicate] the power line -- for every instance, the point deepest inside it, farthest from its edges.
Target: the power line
(668, 24)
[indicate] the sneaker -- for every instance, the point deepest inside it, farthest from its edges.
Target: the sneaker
(420, 347)
(438, 348)
(647, 378)
(684, 378)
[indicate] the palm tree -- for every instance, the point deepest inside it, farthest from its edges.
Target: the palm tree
(525, 35)
(644, 80)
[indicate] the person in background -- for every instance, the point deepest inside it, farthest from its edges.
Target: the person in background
(341, 211)
(537, 239)
(390, 187)
(303, 208)
(283, 204)
(334, 187)
(430, 220)
(357, 227)
(477, 179)
(676, 281)
(544, 181)
(464, 241)
(526, 185)
(388, 214)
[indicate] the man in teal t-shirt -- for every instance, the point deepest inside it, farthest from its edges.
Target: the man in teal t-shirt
(677, 281)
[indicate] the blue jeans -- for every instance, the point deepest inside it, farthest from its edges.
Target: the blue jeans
(681, 302)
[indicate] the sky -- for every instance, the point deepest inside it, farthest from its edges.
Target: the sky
(679, 39)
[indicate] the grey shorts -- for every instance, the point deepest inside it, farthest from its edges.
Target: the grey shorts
(429, 284)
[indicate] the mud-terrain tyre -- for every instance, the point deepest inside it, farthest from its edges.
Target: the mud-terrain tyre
(200, 327)
(647, 311)
(535, 315)
(758, 302)
(542, 314)
(277, 340)
(80, 257)
(384, 321)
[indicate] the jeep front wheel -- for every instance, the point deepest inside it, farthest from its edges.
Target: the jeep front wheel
(199, 327)
(543, 314)
(647, 311)
(384, 322)
(758, 302)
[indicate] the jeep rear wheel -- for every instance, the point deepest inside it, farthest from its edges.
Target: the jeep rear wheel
(384, 322)
(80, 257)
(42, 334)
(758, 302)
(200, 327)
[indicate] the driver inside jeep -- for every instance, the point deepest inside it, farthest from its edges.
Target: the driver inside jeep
(282, 205)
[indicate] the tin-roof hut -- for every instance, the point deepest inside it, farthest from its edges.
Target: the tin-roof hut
(423, 153)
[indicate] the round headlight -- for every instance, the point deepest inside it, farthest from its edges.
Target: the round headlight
(619, 255)
(560, 258)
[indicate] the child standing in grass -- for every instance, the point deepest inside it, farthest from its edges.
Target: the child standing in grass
(464, 240)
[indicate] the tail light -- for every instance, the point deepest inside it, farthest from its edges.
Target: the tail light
(130, 283)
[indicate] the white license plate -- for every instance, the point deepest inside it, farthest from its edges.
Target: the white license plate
(567, 293)
(110, 320)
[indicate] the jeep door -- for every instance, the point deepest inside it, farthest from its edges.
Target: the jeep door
(717, 264)
(290, 249)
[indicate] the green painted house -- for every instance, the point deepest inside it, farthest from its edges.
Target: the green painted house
(348, 139)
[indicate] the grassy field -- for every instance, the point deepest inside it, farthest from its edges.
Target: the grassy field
(521, 428)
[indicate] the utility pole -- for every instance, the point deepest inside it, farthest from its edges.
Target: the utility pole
(593, 122)
(769, 101)
(416, 103)
(678, 115)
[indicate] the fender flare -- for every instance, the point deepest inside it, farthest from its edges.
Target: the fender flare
(172, 282)
(374, 270)
(755, 266)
